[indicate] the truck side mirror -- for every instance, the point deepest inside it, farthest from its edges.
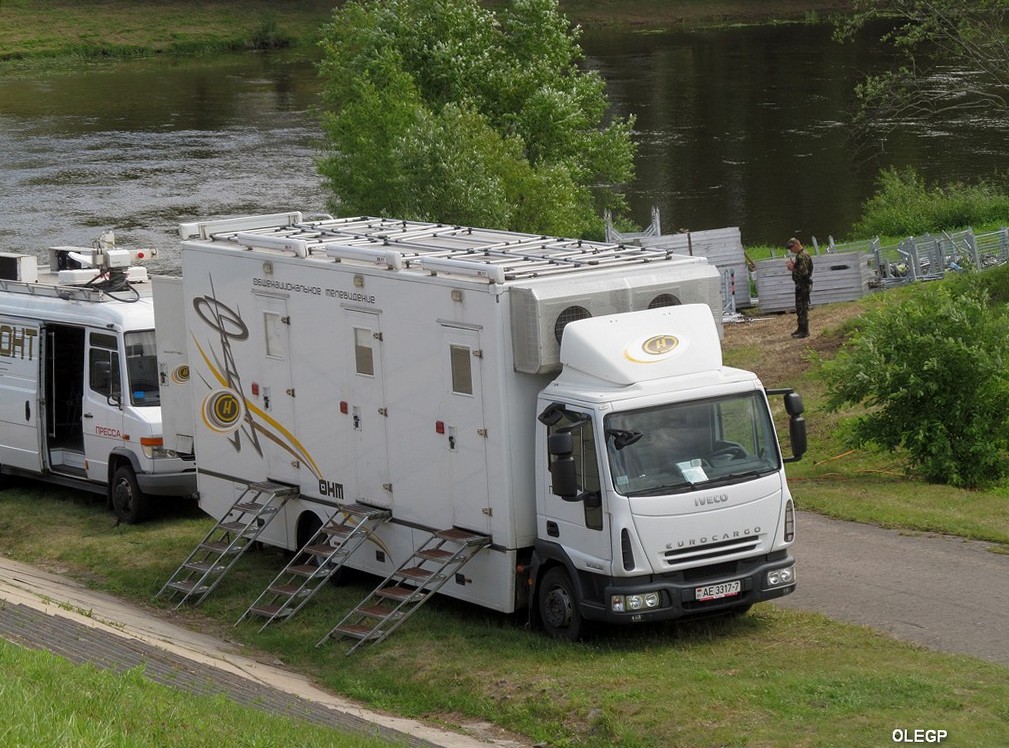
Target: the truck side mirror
(793, 404)
(562, 465)
(796, 423)
(797, 434)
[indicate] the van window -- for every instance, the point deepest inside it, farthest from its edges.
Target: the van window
(142, 368)
(364, 355)
(462, 369)
(103, 366)
(586, 464)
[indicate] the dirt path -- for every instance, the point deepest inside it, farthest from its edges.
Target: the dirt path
(944, 593)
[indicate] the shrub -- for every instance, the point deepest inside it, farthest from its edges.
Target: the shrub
(932, 374)
(904, 205)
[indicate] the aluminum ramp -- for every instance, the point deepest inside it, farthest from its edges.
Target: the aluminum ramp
(409, 587)
(316, 562)
(215, 555)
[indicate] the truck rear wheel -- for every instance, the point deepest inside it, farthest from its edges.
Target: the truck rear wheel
(308, 526)
(558, 605)
(129, 503)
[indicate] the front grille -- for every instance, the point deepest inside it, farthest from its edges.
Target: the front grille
(715, 571)
(710, 551)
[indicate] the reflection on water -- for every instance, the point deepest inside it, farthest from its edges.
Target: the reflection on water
(736, 127)
(147, 145)
(747, 127)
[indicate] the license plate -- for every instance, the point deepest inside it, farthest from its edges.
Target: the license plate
(717, 591)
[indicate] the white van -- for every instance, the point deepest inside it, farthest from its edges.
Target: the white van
(79, 391)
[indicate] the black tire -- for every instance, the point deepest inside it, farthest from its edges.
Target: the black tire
(558, 605)
(129, 503)
(307, 527)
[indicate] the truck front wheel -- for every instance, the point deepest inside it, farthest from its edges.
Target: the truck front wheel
(558, 605)
(128, 501)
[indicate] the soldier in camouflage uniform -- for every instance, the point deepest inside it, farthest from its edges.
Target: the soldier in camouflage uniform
(802, 275)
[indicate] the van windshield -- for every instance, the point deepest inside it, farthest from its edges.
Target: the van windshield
(681, 447)
(142, 368)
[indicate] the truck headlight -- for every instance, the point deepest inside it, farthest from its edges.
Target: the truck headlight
(154, 448)
(631, 603)
(781, 577)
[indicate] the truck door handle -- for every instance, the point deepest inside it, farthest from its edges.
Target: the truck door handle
(28, 410)
(88, 415)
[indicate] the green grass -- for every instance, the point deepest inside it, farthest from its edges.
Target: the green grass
(47, 701)
(100, 29)
(772, 677)
(35, 33)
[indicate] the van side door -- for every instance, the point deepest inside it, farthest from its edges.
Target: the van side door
(102, 407)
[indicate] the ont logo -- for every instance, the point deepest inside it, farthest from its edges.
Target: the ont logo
(660, 344)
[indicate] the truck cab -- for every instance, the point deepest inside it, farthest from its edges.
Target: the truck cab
(662, 490)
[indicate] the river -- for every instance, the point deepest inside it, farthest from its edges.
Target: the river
(736, 127)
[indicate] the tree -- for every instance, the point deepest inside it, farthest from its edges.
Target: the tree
(934, 37)
(933, 375)
(443, 110)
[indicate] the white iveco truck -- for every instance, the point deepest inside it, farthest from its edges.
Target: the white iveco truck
(546, 421)
(79, 395)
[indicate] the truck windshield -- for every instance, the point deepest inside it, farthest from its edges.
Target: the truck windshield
(680, 447)
(142, 368)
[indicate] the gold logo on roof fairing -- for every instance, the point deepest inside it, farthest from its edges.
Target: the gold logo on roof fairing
(659, 345)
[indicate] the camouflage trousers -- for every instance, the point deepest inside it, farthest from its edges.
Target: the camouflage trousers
(802, 308)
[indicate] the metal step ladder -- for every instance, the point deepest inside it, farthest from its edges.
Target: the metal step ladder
(316, 562)
(409, 587)
(215, 555)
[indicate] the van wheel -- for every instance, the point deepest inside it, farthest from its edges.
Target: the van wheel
(558, 605)
(128, 502)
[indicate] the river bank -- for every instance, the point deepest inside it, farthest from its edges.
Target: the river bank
(33, 32)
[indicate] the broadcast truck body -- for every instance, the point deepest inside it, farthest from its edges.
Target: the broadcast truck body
(79, 396)
(566, 399)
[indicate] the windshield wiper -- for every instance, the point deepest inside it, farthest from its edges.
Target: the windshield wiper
(725, 480)
(665, 488)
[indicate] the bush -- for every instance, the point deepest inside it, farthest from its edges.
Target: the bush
(932, 373)
(904, 205)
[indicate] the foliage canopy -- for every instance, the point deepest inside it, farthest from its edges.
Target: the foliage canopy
(933, 36)
(933, 373)
(443, 110)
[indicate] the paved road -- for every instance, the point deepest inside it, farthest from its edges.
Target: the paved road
(943, 593)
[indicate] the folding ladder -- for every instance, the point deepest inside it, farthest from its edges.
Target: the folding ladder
(316, 562)
(409, 587)
(215, 555)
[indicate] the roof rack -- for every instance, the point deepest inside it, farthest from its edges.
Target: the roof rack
(490, 254)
